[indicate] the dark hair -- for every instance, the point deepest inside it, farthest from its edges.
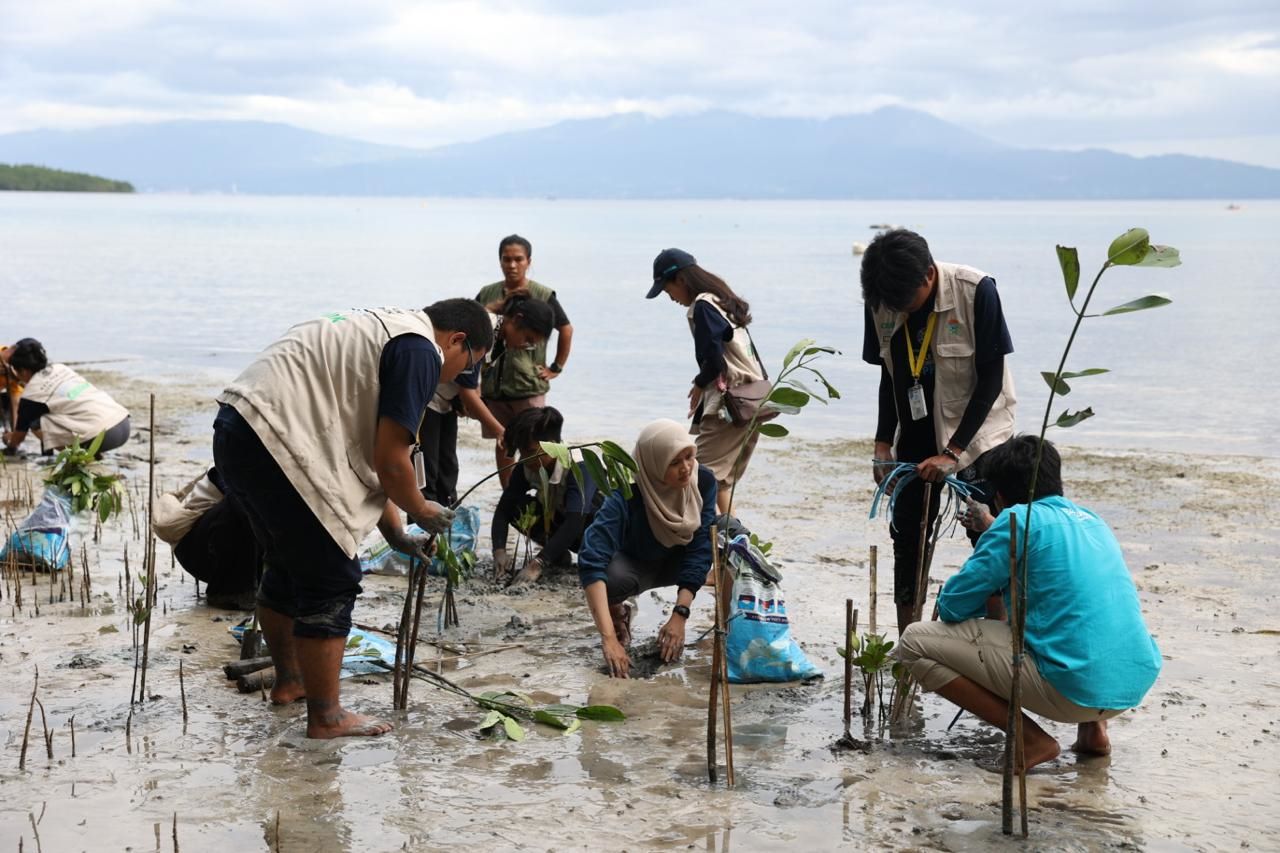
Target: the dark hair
(894, 267)
(526, 312)
(1008, 468)
(516, 240)
(700, 281)
(28, 354)
(466, 316)
(536, 424)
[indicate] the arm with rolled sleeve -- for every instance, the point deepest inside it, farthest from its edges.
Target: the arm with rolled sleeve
(984, 574)
(697, 554)
(602, 540)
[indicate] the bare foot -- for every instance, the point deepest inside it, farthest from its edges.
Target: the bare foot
(1092, 739)
(344, 723)
(1038, 750)
(287, 691)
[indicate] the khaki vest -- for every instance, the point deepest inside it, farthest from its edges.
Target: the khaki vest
(312, 399)
(77, 409)
(514, 375)
(954, 376)
(740, 363)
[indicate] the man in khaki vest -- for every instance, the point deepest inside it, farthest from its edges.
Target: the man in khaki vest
(938, 333)
(520, 379)
(315, 441)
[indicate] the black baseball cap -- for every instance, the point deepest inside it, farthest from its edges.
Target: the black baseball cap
(668, 263)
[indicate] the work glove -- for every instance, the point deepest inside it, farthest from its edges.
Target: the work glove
(416, 545)
(439, 519)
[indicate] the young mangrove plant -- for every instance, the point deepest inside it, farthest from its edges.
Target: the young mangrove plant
(75, 473)
(871, 657)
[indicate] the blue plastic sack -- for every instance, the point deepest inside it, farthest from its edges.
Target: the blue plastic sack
(41, 539)
(462, 536)
(759, 646)
(377, 557)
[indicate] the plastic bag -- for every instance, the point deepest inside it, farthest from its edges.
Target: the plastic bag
(377, 557)
(759, 646)
(42, 539)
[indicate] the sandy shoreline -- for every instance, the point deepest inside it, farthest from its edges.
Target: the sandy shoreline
(1194, 768)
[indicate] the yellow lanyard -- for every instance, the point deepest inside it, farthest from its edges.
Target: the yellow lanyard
(918, 365)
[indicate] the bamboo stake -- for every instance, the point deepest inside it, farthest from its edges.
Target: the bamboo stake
(420, 577)
(399, 675)
(871, 613)
(848, 667)
(724, 589)
(182, 689)
(922, 567)
(150, 592)
(72, 722)
(26, 733)
(714, 696)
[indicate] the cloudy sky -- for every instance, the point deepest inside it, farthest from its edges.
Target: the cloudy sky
(1196, 76)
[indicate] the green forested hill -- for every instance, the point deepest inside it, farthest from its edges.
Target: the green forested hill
(27, 177)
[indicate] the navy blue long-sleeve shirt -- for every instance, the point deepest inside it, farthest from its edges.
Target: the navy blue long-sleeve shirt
(711, 331)
(623, 525)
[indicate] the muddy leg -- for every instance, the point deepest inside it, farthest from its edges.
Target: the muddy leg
(1092, 739)
(321, 659)
(278, 630)
(1038, 745)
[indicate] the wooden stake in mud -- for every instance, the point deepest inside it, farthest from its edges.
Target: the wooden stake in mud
(149, 594)
(848, 667)
(412, 651)
(26, 733)
(175, 832)
(72, 723)
(724, 591)
(714, 695)
(1013, 727)
(871, 593)
(400, 674)
(182, 689)
(922, 563)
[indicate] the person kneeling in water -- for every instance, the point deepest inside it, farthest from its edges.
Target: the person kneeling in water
(659, 537)
(572, 505)
(1089, 655)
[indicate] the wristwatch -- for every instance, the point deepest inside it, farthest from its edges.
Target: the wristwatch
(554, 367)
(681, 610)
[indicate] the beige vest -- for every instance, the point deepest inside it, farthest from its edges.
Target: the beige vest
(740, 365)
(312, 398)
(954, 376)
(77, 409)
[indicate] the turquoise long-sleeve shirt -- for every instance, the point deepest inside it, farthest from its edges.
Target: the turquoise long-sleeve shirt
(1085, 630)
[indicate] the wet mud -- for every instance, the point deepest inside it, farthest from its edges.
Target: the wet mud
(1193, 768)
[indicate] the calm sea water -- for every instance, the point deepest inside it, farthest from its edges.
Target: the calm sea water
(193, 286)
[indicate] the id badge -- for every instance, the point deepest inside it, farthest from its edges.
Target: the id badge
(419, 468)
(915, 399)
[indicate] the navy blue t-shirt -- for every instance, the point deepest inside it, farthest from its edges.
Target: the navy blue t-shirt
(408, 373)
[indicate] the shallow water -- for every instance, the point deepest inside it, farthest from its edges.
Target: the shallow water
(1194, 768)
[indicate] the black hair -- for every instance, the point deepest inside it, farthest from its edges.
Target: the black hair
(536, 424)
(699, 281)
(894, 267)
(528, 313)
(1008, 468)
(463, 315)
(516, 240)
(28, 354)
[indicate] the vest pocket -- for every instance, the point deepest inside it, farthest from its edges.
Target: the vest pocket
(361, 468)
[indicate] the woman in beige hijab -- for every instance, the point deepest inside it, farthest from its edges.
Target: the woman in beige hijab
(660, 536)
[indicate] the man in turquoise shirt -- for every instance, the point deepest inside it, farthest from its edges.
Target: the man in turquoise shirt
(1089, 655)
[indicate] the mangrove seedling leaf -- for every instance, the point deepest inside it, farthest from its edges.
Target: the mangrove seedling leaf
(1056, 383)
(557, 451)
(1160, 256)
(573, 727)
(490, 720)
(815, 350)
(595, 468)
(773, 430)
(1069, 260)
(549, 719)
(1129, 248)
(104, 508)
(1153, 300)
(1092, 371)
(1070, 419)
(613, 451)
(512, 728)
(780, 408)
(92, 450)
(789, 396)
(801, 346)
(602, 713)
(561, 709)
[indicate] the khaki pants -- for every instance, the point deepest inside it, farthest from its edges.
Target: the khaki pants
(936, 653)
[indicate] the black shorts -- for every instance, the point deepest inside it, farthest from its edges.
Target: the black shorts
(307, 576)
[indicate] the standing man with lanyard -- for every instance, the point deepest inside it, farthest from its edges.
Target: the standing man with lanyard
(946, 396)
(520, 379)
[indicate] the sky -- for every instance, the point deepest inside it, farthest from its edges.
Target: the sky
(1191, 76)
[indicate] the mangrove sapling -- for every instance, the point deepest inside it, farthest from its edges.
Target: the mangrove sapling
(870, 653)
(1131, 249)
(524, 523)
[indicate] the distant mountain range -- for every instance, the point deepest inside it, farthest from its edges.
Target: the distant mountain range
(892, 153)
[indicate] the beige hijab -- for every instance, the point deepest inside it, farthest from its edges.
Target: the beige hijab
(674, 514)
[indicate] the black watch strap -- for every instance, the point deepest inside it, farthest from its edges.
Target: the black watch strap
(681, 610)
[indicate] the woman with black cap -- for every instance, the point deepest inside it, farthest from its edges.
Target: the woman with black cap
(726, 356)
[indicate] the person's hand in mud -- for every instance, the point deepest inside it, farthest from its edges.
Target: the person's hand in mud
(695, 399)
(671, 638)
(882, 461)
(502, 563)
(417, 545)
(616, 657)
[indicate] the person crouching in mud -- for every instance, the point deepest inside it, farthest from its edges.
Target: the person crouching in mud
(1090, 655)
(659, 537)
(572, 505)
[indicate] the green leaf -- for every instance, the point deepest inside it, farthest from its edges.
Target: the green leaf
(490, 720)
(791, 394)
(1153, 300)
(557, 451)
(1129, 248)
(595, 468)
(573, 727)
(602, 713)
(1160, 256)
(104, 507)
(832, 393)
(1058, 386)
(512, 728)
(815, 350)
(801, 346)
(1070, 419)
(549, 719)
(773, 430)
(781, 409)
(1092, 371)
(1069, 260)
(561, 709)
(613, 451)
(92, 450)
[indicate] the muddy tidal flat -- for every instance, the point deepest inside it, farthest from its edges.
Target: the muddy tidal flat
(1194, 768)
